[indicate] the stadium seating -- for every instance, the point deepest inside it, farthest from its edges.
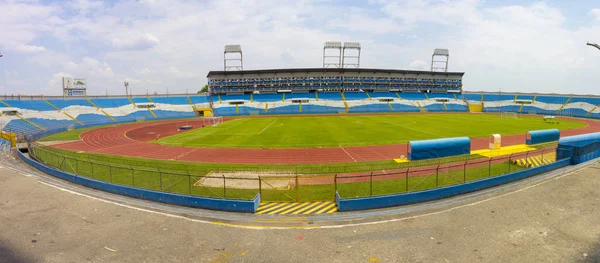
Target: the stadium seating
(40, 114)
(413, 96)
(171, 100)
(330, 96)
(266, 97)
(111, 103)
(355, 96)
(61, 104)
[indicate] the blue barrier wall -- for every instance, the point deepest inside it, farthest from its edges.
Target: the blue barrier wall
(542, 136)
(580, 148)
(167, 198)
(428, 149)
(445, 192)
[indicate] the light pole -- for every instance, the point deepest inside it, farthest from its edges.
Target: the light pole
(1, 74)
(593, 45)
(127, 88)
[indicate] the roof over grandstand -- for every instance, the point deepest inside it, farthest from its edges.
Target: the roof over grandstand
(331, 70)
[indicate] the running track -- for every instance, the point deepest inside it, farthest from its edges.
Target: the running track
(133, 140)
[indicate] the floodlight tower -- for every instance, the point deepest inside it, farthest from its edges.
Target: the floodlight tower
(351, 60)
(328, 59)
(442, 64)
(593, 45)
(235, 54)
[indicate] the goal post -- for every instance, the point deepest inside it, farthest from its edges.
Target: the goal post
(509, 115)
(211, 121)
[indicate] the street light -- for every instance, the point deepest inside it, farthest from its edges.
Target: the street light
(593, 45)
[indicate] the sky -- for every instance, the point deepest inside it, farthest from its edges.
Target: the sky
(169, 46)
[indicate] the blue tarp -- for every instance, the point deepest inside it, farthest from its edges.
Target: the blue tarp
(428, 149)
(542, 136)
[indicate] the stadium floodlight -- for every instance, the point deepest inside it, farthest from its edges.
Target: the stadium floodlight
(351, 60)
(440, 65)
(236, 51)
(593, 45)
(328, 59)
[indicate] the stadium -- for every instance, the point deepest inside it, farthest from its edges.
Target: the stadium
(302, 141)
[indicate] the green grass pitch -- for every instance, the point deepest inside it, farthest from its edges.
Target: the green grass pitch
(348, 130)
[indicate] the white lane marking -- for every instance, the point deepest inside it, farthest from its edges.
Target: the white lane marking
(342, 147)
(267, 127)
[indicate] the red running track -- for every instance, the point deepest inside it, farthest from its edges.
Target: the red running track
(133, 140)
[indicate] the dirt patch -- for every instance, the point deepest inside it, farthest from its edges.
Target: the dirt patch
(249, 180)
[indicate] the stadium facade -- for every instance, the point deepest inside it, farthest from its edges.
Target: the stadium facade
(333, 79)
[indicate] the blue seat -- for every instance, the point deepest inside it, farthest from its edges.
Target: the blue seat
(61, 104)
(38, 105)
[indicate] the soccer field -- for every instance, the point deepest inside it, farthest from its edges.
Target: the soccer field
(333, 131)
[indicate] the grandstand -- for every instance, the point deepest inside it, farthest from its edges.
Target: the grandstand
(26, 115)
(287, 91)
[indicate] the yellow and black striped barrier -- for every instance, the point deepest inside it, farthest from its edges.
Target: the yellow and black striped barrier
(300, 208)
(535, 161)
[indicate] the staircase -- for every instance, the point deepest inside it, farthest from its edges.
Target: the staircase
(52, 105)
(421, 107)
(561, 107)
(30, 122)
(73, 118)
(153, 114)
(132, 103)
(6, 104)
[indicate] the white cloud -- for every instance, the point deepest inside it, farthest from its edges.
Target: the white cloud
(143, 71)
(29, 48)
(595, 12)
(180, 74)
(418, 65)
(144, 41)
(90, 67)
(173, 44)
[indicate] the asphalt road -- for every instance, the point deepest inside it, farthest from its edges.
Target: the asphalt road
(556, 219)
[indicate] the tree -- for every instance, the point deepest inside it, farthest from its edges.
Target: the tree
(204, 89)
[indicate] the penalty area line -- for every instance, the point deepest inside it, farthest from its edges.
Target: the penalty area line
(267, 127)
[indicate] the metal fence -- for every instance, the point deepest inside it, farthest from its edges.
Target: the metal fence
(288, 186)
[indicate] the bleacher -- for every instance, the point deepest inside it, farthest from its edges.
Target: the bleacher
(355, 96)
(111, 110)
(111, 103)
(266, 97)
(81, 112)
(61, 104)
(330, 96)
(172, 100)
(413, 96)
(39, 105)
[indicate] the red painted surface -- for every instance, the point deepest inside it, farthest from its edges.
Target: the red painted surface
(133, 140)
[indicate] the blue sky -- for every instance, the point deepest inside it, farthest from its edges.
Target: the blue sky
(526, 46)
